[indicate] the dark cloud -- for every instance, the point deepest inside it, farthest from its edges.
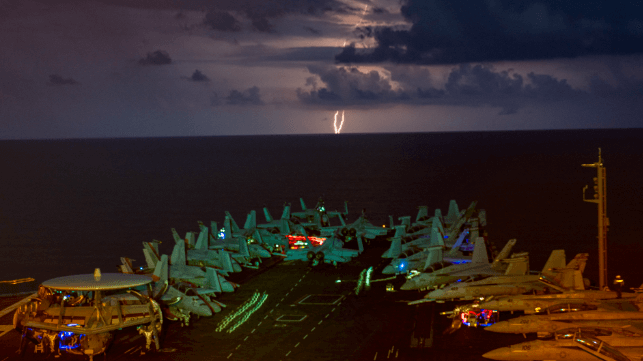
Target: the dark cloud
(311, 30)
(199, 76)
(249, 96)
(446, 32)
(159, 57)
(468, 85)
(222, 20)
(59, 80)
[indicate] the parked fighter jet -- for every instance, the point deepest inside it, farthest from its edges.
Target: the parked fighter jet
(576, 344)
(331, 251)
(516, 279)
(616, 313)
(479, 265)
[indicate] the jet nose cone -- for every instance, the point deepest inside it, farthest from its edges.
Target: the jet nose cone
(236, 267)
(503, 353)
(436, 294)
(407, 286)
(227, 287)
(204, 311)
(502, 326)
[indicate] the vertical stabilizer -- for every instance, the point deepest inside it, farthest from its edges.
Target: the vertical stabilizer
(406, 221)
(178, 254)
(399, 231)
(395, 249)
(267, 214)
(243, 247)
(286, 213)
(480, 252)
(458, 242)
(202, 241)
(579, 262)
(434, 256)
(234, 228)
(303, 205)
(226, 261)
(438, 213)
(360, 245)
(189, 239)
(555, 262)
(227, 228)
(506, 250)
(423, 213)
(453, 214)
(251, 220)
(161, 270)
(518, 264)
(177, 238)
(212, 280)
(391, 222)
(284, 226)
(126, 265)
(437, 238)
(150, 249)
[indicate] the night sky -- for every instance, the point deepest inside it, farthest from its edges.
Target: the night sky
(148, 68)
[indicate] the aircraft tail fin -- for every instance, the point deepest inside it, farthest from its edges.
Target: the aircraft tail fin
(267, 214)
(303, 205)
(453, 214)
(423, 213)
(399, 231)
(251, 220)
(178, 254)
(518, 264)
(243, 247)
(286, 213)
(202, 241)
(504, 253)
(406, 221)
(438, 213)
(570, 279)
(150, 250)
(480, 251)
(579, 262)
(437, 238)
(555, 262)
(284, 227)
(177, 238)
(458, 242)
(212, 280)
(434, 256)
(395, 249)
(360, 245)
(126, 265)
(390, 221)
(161, 270)
(189, 239)
(226, 260)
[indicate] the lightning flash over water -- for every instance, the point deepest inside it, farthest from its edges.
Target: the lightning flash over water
(337, 130)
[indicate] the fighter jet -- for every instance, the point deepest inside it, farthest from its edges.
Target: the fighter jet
(331, 251)
(615, 313)
(516, 279)
(576, 344)
(479, 265)
(316, 217)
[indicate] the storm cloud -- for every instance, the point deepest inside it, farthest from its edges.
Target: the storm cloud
(444, 32)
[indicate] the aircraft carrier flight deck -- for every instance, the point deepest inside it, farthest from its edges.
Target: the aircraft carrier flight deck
(288, 310)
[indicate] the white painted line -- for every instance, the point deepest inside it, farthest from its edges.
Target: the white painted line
(282, 299)
(271, 310)
(259, 324)
(5, 358)
(375, 358)
(246, 338)
(277, 305)
(328, 314)
(236, 348)
(305, 336)
(265, 317)
(297, 344)
(312, 329)
(319, 323)
(287, 293)
(333, 309)
(288, 353)
(253, 330)
(292, 289)
(229, 355)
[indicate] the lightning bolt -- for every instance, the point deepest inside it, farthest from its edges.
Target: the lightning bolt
(337, 130)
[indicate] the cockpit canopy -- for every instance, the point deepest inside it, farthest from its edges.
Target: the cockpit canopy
(567, 307)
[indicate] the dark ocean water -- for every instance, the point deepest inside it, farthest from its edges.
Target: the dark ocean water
(68, 206)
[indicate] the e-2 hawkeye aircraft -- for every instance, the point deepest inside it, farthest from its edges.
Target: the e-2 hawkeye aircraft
(79, 314)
